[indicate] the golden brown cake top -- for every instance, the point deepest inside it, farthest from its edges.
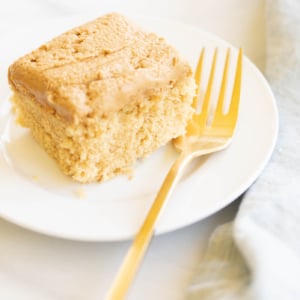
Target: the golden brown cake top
(98, 68)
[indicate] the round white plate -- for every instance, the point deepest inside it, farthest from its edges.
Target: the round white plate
(36, 195)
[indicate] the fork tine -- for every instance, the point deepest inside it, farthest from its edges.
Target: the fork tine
(198, 73)
(204, 112)
(192, 126)
(228, 120)
(198, 123)
(220, 105)
(235, 98)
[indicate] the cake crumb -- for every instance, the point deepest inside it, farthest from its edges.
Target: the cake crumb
(35, 178)
(130, 176)
(80, 193)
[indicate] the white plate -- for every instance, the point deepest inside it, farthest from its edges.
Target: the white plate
(35, 195)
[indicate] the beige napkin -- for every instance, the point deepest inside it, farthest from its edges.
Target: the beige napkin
(257, 256)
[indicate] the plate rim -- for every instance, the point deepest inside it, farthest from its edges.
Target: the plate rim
(237, 193)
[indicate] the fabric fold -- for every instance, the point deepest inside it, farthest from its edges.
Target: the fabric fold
(264, 239)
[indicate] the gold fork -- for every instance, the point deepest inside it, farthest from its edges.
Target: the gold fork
(201, 138)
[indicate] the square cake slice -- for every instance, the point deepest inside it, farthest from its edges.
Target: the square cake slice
(101, 96)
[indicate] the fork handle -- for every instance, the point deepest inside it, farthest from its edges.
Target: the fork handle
(142, 239)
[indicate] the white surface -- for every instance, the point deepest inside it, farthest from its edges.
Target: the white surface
(37, 267)
(46, 200)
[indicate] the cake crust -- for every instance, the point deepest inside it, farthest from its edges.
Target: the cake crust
(83, 73)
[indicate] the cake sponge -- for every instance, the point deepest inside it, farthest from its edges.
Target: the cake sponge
(101, 96)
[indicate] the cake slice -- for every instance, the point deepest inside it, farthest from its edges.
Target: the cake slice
(101, 96)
